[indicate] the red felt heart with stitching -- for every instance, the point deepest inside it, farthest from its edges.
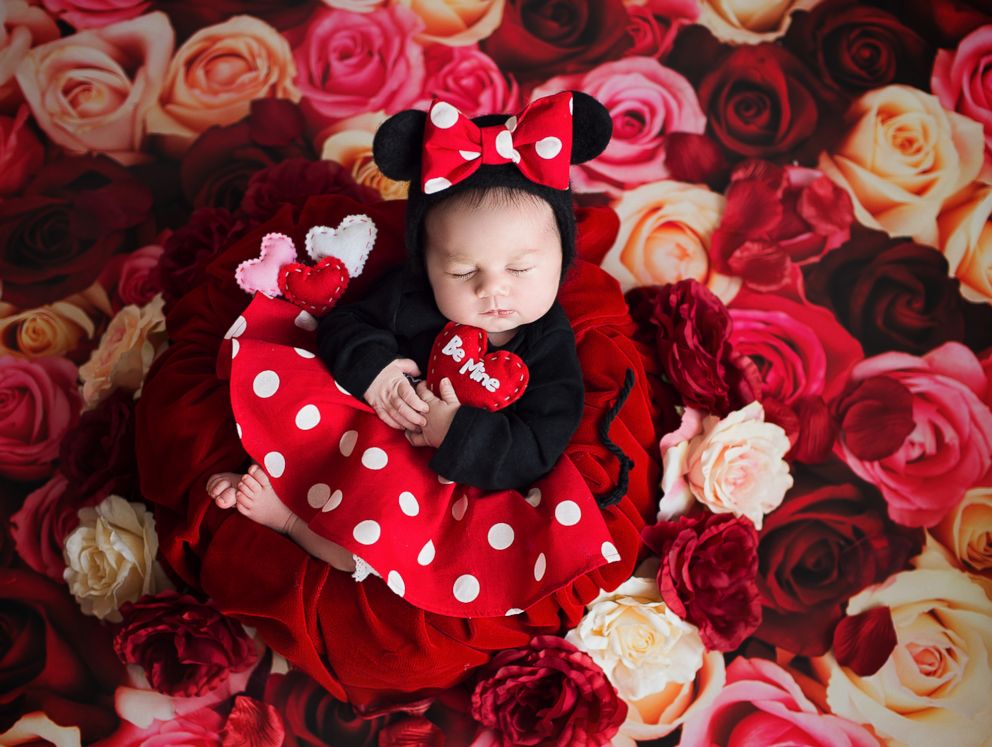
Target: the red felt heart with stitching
(315, 289)
(491, 381)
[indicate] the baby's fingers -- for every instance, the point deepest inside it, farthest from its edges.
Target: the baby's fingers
(412, 398)
(405, 415)
(385, 416)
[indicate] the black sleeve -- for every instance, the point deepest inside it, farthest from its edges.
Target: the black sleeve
(512, 448)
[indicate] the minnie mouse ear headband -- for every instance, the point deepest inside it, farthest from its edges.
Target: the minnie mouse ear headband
(442, 152)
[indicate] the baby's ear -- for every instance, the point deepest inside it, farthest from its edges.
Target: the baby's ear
(591, 127)
(397, 143)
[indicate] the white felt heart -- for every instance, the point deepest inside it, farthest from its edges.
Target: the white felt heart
(350, 242)
(262, 275)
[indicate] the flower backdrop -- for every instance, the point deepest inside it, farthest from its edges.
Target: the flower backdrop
(788, 242)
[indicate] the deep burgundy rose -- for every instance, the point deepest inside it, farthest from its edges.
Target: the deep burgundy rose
(762, 102)
(696, 159)
(707, 574)
(778, 218)
(53, 658)
(829, 539)
(547, 693)
(690, 328)
(295, 180)
(216, 169)
(855, 47)
(652, 28)
(187, 648)
(944, 22)
(544, 38)
(895, 294)
(188, 16)
(58, 234)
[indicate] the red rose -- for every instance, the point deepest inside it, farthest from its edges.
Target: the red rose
(777, 218)
(188, 16)
(761, 102)
(21, 153)
(895, 294)
(652, 28)
(829, 539)
(945, 22)
(187, 648)
(707, 574)
(690, 327)
(544, 38)
(855, 47)
(548, 693)
(40, 527)
(39, 404)
(53, 658)
(57, 236)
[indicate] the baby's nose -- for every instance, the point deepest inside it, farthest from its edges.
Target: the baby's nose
(491, 286)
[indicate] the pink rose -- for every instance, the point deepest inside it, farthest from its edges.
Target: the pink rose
(961, 80)
(135, 276)
(917, 429)
(21, 153)
(40, 527)
(470, 80)
(762, 704)
(646, 101)
(22, 26)
(350, 63)
(39, 403)
(85, 14)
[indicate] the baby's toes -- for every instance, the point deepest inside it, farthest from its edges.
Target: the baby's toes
(226, 498)
(259, 475)
(249, 485)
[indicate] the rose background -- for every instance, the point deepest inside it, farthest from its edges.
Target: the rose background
(797, 202)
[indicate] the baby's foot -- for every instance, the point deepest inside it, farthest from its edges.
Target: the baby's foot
(259, 502)
(222, 488)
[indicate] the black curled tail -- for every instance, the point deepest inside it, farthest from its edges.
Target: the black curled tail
(626, 463)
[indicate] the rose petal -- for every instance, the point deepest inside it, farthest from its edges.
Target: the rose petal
(864, 642)
(878, 423)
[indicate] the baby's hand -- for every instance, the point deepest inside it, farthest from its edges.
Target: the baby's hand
(393, 397)
(442, 412)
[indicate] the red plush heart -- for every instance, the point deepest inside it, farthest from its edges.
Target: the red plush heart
(315, 289)
(491, 381)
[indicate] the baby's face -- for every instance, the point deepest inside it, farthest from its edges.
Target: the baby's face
(494, 266)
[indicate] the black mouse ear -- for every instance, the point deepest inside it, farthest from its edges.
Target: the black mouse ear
(397, 144)
(591, 127)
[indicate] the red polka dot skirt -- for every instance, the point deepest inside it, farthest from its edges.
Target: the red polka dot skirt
(447, 548)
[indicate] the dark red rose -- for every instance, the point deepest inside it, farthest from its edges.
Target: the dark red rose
(188, 16)
(294, 181)
(411, 731)
(895, 294)
(829, 539)
(53, 658)
(252, 723)
(690, 328)
(544, 38)
(40, 526)
(776, 219)
(547, 693)
(944, 22)
(58, 234)
(707, 574)
(855, 47)
(218, 165)
(696, 159)
(652, 28)
(761, 102)
(187, 648)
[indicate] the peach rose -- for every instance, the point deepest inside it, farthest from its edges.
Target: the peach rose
(965, 227)
(126, 351)
(655, 659)
(85, 14)
(966, 533)
(90, 91)
(748, 22)
(732, 465)
(349, 143)
(961, 81)
(55, 329)
(934, 687)
(22, 26)
(215, 75)
(456, 23)
(664, 237)
(902, 158)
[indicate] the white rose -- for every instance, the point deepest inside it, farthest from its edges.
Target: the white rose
(110, 557)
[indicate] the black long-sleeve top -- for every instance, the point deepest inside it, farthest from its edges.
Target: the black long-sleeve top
(509, 448)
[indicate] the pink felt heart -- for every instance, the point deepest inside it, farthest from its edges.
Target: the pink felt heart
(491, 381)
(262, 274)
(315, 289)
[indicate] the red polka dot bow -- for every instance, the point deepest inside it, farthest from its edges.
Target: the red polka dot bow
(538, 140)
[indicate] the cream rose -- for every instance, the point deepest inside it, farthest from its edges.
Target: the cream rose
(90, 91)
(966, 533)
(735, 465)
(132, 341)
(22, 26)
(748, 22)
(37, 728)
(653, 657)
(934, 688)
(902, 158)
(965, 228)
(215, 75)
(456, 23)
(110, 557)
(664, 237)
(54, 329)
(349, 142)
